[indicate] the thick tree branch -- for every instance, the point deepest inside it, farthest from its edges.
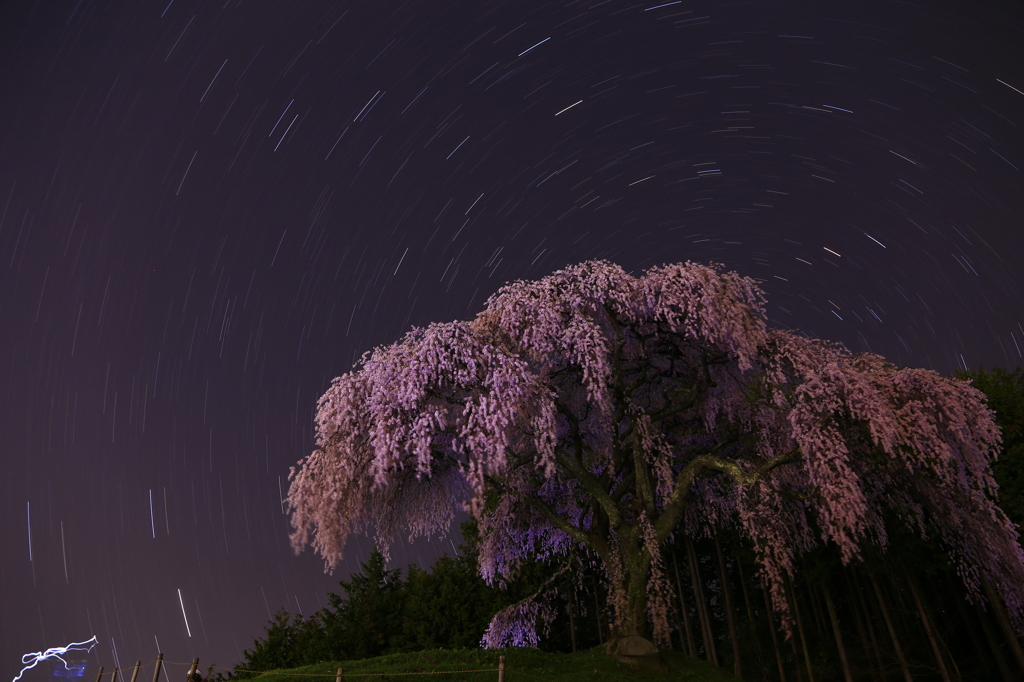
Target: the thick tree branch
(687, 397)
(642, 474)
(574, 464)
(644, 489)
(673, 511)
(624, 486)
(591, 485)
(618, 342)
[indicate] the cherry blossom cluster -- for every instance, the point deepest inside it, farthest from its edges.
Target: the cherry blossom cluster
(601, 412)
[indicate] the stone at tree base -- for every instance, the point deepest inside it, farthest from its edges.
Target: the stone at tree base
(637, 651)
(634, 645)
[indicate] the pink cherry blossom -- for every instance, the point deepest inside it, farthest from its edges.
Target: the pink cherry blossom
(597, 412)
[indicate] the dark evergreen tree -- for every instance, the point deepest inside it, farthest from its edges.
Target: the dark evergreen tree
(1004, 390)
(366, 621)
(289, 641)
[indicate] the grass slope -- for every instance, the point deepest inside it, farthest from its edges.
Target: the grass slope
(521, 665)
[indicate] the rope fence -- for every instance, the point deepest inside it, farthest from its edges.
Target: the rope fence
(341, 676)
(159, 664)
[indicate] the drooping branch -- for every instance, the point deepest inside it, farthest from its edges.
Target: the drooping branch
(506, 626)
(589, 540)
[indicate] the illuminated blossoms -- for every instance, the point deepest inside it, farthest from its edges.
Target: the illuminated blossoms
(602, 412)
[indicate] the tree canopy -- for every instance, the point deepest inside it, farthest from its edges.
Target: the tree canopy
(598, 413)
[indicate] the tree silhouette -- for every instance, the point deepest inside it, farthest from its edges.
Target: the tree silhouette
(366, 621)
(599, 413)
(1004, 390)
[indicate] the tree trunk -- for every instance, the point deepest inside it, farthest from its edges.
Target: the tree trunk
(928, 629)
(847, 675)
(1004, 621)
(690, 648)
(796, 659)
(979, 646)
(775, 635)
(751, 622)
(702, 604)
(819, 620)
(892, 631)
(993, 641)
(636, 566)
(730, 618)
(636, 610)
(980, 650)
(866, 630)
(572, 616)
(800, 630)
(743, 588)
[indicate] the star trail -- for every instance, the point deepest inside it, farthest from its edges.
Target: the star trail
(210, 210)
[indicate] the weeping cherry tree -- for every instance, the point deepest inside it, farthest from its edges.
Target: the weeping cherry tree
(599, 414)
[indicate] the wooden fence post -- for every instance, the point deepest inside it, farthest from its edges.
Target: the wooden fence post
(192, 670)
(99, 675)
(156, 669)
(501, 669)
(340, 673)
(113, 675)
(135, 673)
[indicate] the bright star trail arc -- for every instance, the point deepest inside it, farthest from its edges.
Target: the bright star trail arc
(183, 615)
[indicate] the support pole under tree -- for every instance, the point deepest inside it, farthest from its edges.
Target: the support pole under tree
(113, 675)
(501, 669)
(156, 669)
(192, 670)
(99, 675)
(340, 673)
(135, 672)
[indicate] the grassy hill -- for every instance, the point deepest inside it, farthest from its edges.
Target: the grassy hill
(521, 665)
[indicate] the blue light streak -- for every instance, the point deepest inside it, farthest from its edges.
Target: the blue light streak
(33, 659)
(530, 48)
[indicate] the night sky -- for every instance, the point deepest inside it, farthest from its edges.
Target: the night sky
(208, 210)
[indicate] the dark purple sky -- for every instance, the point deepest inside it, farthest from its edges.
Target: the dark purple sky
(210, 209)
